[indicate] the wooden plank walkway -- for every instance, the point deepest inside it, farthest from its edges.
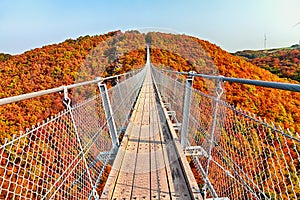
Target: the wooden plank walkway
(147, 165)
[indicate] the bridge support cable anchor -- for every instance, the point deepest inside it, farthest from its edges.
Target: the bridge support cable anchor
(219, 92)
(109, 115)
(186, 108)
(67, 102)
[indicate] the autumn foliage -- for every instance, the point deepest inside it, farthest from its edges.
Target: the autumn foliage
(284, 62)
(86, 58)
(56, 65)
(186, 53)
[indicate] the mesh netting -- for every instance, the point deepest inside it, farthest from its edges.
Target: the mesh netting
(65, 156)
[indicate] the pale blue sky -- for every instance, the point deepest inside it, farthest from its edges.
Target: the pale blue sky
(231, 24)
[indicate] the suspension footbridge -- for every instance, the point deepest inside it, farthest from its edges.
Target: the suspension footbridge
(148, 163)
(158, 138)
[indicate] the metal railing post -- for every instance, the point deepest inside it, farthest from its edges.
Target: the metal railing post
(186, 109)
(219, 92)
(109, 115)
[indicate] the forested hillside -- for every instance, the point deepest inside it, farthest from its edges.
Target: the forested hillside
(60, 64)
(284, 62)
(4, 57)
(185, 53)
(88, 57)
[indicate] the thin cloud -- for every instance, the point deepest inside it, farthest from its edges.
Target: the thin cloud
(296, 24)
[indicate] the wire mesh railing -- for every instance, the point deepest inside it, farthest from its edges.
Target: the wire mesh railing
(65, 156)
(238, 155)
(254, 159)
(123, 97)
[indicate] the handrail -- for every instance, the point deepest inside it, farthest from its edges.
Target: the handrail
(268, 84)
(232, 144)
(58, 89)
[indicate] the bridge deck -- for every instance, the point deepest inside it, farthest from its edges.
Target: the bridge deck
(147, 165)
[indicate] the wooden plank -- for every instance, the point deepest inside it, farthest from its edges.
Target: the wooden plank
(125, 181)
(160, 185)
(141, 183)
